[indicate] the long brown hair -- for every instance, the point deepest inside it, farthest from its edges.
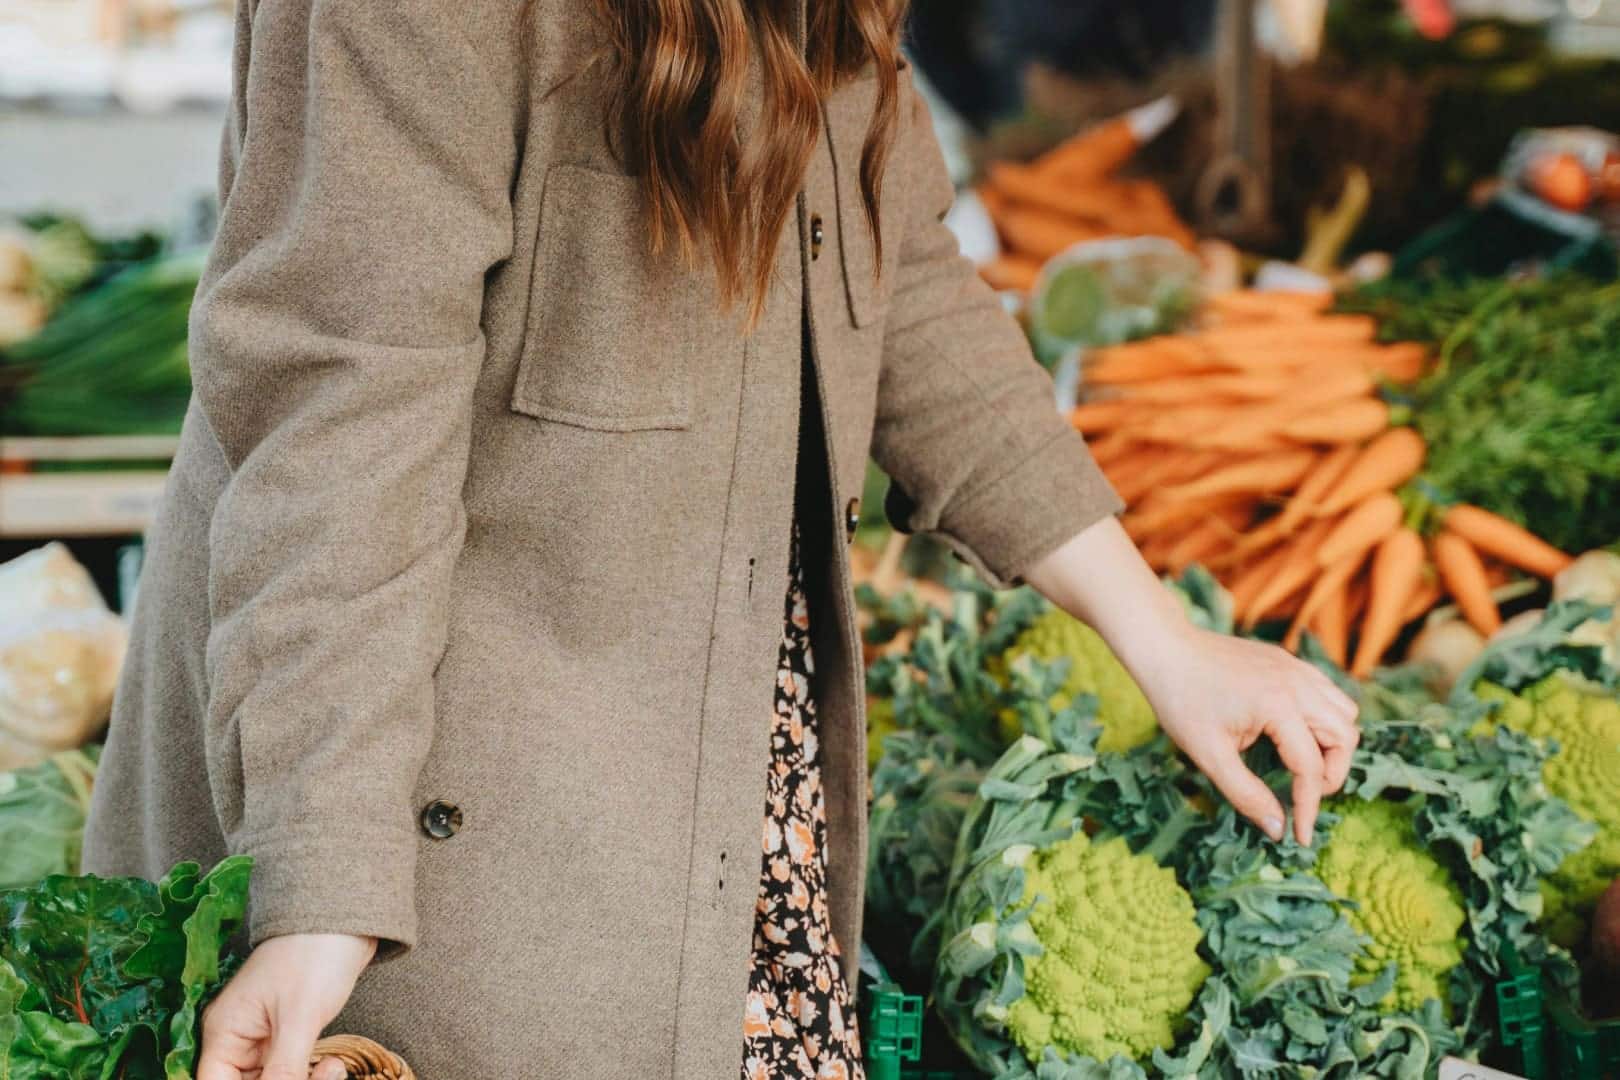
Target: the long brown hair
(680, 71)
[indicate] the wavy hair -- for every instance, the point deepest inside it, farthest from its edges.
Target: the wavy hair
(680, 79)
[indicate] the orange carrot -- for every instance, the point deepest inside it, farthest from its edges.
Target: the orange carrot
(1362, 529)
(1041, 234)
(1159, 515)
(1383, 465)
(1244, 426)
(1496, 535)
(1097, 416)
(1397, 571)
(1246, 583)
(1315, 486)
(1146, 361)
(1156, 552)
(1332, 580)
(1351, 421)
(1199, 389)
(1260, 476)
(1126, 469)
(1210, 536)
(1254, 305)
(1358, 598)
(1428, 594)
(1293, 574)
(1329, 330)
(1099, 203)
(1092, 154)
(1332, 625)
(1196, 544)
(1402, 362)
(1011, 272)
(1463, 574)
(1177, 427)
(1165, 467)
(1111, 447)
(995, 203)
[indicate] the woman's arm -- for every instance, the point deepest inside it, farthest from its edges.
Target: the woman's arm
(1215, 695)
(336, 342)
(967, 429)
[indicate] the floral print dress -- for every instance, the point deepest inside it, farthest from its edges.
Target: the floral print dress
(799, 1024)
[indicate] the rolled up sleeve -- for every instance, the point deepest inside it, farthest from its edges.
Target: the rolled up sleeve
(966, 423)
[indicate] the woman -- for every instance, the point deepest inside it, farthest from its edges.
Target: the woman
(465, 607)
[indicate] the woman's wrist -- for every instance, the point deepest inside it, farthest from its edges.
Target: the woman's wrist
(1100, 578)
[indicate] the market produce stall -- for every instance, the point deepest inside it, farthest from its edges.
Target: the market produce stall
(1369, 412)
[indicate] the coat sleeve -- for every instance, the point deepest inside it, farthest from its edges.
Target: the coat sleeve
(336, 340)
(966, 423)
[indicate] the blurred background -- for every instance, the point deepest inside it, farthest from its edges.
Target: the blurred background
(1300, 141)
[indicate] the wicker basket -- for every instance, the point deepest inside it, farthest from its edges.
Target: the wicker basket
(364, 1059)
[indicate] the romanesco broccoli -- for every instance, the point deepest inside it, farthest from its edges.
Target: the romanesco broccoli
(1126, 717)
(1404, 899)
(1585, 773)
(1120, 964)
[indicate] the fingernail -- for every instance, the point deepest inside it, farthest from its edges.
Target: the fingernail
(1274, 828)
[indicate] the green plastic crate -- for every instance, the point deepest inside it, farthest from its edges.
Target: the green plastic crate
(1544, 1034)
(1519, 1017)
(893, 1031)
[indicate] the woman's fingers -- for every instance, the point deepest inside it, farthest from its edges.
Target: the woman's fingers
(1247, 793)
(1297, 746)
(329, 1069)
(230, 1049)
(1332, 715)
(292, 1043)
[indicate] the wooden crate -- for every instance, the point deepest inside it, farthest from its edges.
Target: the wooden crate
(37, 503)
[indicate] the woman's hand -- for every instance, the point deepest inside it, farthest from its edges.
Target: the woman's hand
(265, 1022)
(1215, 695)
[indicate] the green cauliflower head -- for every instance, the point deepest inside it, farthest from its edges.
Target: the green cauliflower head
(1123, 711)
(1404, 901)
(1120, 963)
(1585, 773)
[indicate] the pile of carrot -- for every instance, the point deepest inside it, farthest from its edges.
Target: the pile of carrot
(1069, 195)
(1259, 446)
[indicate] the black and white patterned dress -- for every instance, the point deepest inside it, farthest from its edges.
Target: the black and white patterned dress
(799, 1024)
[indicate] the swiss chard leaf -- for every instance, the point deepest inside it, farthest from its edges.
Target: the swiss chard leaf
(68, 938)
(104, 977)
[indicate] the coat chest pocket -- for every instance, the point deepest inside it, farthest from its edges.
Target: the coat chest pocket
(613, 334)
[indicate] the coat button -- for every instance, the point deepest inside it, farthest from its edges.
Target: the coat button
(441, 820)
(818, 235)
(852, 517)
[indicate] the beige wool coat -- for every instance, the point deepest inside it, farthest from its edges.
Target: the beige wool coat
(462, 610)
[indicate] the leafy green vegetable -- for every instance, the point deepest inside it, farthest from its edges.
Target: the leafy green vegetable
(1311, 970)
(106, 977)
(944, 709)
(113, 357)
(42, 812)
(1522, 414)
(1403, 901)
(1584, 725)
(1090, 668)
